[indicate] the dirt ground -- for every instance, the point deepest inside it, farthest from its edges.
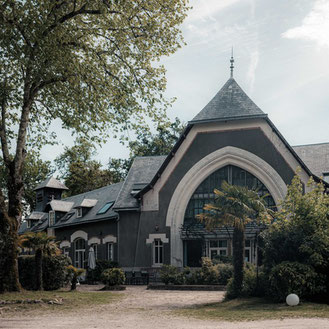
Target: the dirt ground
(150, 309)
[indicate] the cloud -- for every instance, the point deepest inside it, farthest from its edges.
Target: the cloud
(315, 26)
(206, 9)
(251, 74)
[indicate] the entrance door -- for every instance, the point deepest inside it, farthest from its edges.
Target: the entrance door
(192, 253)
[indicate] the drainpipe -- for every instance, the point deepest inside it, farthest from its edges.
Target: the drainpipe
(118, 238)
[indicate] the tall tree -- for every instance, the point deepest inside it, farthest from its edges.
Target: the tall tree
(90, 64)
(146, 144)
(80, 172)
(235, 206)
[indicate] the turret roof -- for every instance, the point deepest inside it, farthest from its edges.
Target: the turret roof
(51, 182)
(230, 103)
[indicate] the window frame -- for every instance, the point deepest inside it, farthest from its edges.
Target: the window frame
(157, 252)
(79, 212)
(110, 251)
(80, 254)
(102, 211)
(218, 249)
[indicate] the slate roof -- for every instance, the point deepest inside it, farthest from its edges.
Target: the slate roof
(231, 102)
(140, 175)
(61, 205)
(315, 156)
(102, 195)
(51, 182)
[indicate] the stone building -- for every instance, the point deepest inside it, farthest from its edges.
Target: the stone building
(149, 219)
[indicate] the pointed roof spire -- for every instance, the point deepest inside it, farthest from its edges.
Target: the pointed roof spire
(232, 63)
(230, 103)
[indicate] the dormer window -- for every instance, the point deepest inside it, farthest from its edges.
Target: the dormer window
(79, 212)
(105, 208)
(51, 217)
(28, 223)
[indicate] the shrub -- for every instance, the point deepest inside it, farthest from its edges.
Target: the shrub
(209, 272)
(293, 277)
(113, 277)
(54, 270)
(169, 274)
(225, 273)
(101, 265)
(73, 274)
(55, 273)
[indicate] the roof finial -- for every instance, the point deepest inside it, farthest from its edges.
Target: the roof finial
(232, 63)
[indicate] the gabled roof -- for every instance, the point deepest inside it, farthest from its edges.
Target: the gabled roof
(230, 103)
(51, 182)
(315, 156)
(140, 175)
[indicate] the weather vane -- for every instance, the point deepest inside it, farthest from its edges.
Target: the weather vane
(232, 63)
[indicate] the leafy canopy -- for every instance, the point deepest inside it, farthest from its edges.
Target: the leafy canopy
(91, 64)
(234, 206)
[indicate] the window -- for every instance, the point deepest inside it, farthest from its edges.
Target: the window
(217, 248)
(95, 245)
(79, 212)
(247, 251)
(51, 217)
(109, 251)
(326, 177)
(39, 197)
(79, 253)
(105, 208)
(157, 252)
(28, 223)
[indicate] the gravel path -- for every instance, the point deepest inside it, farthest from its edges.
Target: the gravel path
(149, 309)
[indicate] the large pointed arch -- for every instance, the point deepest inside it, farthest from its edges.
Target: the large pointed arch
(200, 171)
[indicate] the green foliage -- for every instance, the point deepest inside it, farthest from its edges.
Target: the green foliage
(34, 172)
(235, 206)
(54, 271)
(225, 273)
(78, 169)
(101, 265)
(168, 274)
(293, 277)
(301, 232)
(113, 277)
(73, 274)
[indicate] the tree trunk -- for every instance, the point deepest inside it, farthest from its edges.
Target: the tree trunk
(8, 254)
(38, 269)
(9, 223)
(238, 259)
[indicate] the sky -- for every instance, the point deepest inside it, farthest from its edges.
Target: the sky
(281, 51)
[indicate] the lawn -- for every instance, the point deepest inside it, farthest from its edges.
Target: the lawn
(67, 300)
(254, 309)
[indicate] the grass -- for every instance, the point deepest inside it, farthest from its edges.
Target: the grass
(254, 309)
(71, 300)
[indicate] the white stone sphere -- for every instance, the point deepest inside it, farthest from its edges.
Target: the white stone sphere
(292, 300)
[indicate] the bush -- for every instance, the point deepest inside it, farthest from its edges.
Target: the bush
(209, 272)
(113, 277)
(55, 273)
(54, 270)
(101, 265)
(225, 273)
(169, 274)
(294, 277)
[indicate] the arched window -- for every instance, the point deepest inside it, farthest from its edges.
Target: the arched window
(234, 175)
(80, 253)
